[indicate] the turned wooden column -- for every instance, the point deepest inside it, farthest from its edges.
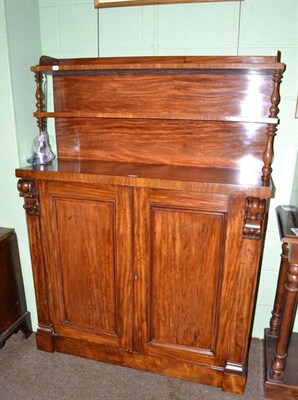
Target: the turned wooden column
(280, 291)
(287, 318)
(281, 345)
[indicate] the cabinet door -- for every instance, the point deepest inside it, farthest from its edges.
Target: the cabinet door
(87, 247)
(186, 254)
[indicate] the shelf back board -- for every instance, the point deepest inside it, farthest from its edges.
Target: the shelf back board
(197, 111)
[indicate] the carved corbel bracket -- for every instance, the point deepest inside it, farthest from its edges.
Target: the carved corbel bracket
(254, 216)
(28, 189)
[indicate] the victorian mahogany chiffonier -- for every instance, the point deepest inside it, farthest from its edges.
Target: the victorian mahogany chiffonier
(146, 233)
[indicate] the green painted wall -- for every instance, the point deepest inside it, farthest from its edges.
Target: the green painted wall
(294, 194)
(73, 28)
(20, 47)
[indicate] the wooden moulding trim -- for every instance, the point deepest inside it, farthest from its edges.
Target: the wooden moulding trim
(90, 178)
(198, 68)
(47, 60)
(263, 64)
(88, 114)
(165, 366)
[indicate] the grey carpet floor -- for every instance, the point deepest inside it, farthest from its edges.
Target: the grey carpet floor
(29, 374)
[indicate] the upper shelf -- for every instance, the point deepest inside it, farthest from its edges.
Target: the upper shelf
(202, 111)
(263, 64)
(141, 115)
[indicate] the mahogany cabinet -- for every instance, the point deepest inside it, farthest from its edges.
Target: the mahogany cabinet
(146, 233)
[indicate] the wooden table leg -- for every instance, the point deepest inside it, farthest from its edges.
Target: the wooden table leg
(287, 318)
(280, 291)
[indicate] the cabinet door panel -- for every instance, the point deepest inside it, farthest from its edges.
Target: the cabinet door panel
(185, 269)
(86, 241)
(182, 251)
(89, 262)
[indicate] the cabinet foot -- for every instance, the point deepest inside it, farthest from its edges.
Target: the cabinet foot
(44, 339)
(234, 379)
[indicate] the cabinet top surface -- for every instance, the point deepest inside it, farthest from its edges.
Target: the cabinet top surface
(246, 63)
(217, 180)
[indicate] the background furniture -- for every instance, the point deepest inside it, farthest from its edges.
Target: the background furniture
(13, 310)
(146, 234)
(281, 345)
